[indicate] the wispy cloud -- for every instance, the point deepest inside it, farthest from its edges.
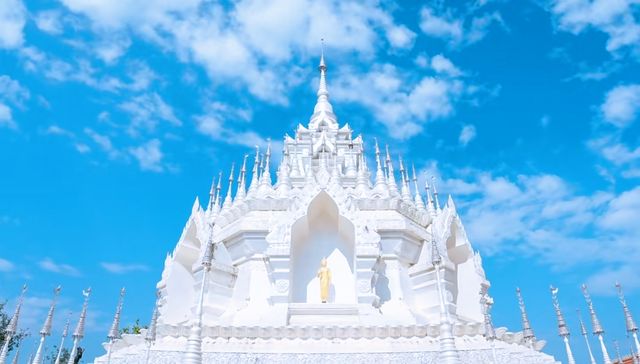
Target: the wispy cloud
(12, 21)
(49, 265)
(6, 266)
(149, 156)
(467, 134)
(123, 268)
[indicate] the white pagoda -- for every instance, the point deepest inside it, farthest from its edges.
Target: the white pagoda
(405, 285)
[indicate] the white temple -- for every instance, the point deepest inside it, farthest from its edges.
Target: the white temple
(406, 285)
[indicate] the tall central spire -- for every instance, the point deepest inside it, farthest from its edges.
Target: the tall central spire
(323, 111)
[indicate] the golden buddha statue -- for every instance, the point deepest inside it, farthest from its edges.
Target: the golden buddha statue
(324, 273)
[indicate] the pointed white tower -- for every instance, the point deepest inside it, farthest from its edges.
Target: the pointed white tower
(12, 328)
(228, 200)
(114, 332)
(323, 111)
(597, 327)
(632, 328)
(46, 328)
(527, 331)
(78, 334)
(65, 332)
(563, 330)
(418, 198)
(391, 178)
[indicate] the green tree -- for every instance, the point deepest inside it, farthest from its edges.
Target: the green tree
(5, 318)
(50, 358)
(133, 329)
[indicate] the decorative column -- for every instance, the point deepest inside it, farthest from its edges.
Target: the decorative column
(46, 328)
(448, 352)
(150, 339)
(489, 332)
(12, 328)
(78, 334)
(65, 332)
(595, 323)
(584, 333)
(527, 331)
(193, 353)
(114, 332)
(563, 330)
(632, 328)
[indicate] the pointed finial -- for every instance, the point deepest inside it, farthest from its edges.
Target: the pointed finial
(228, 199)
(114, 332)
(393, 187)
(630, 324)
(527, 331)
(435, 194)
(79, 331)
(563, 330)
(597, 327)
(46, 328)
(322, 66)
(406, 193)
(241, 192)
(583, 328)
(381, 182)
(436, 258)
(218, 189)
(418, 198)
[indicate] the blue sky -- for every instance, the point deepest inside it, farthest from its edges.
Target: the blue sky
(115, 115)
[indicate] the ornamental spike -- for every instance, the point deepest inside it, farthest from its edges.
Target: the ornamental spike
(430, 206)
(253, 186)
(65, 332)
(527, 331)
(563, 330)
(630, 324)
(79, 331)
(114, 332)
(241, 191)
(46, 328)
(216, 204)
(435, 194)
(11, 329)
(265, 179)
(393, 187)
(595, 323)
(381, 183)
(418, 198)
(585, 334)
(406, 193)
(228, 200)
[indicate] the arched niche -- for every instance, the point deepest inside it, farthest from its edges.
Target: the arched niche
(321, 233)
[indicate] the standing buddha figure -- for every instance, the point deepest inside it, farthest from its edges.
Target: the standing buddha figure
(324, 273)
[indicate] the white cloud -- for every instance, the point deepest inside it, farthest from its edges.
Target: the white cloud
(622, 105)
(614, 18)
(12, 91)
(248, 43)
(396, 100)
(146, 111)
(6, 117)
(104, 142)
(442, 64)
(457, 30)
(467, 134)
(49, 21)
(49, 265)
(6, 266)
(543, 217)
(122, 268)
(12, 21)
(149, 156)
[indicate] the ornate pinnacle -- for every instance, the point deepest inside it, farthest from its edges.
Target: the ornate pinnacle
(153, 325)
(430, 206)
(406, 194)
(631, 325)
(114, 332)
(597, 327)
(563, 330)
(583, 329)
(380, 177)
(228, 199)
(79, 331)
(240, 192)
(266, 174)
(418, 198)
(216, 204)
(393, 187)
(527, 331)
(46, 328)
(435, 193)
(253, 186)
(65, 331)
(13, 324)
